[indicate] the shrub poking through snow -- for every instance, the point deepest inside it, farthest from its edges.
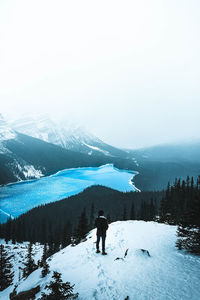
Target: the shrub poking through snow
(25, 295)
(44, 264)
(59, 290)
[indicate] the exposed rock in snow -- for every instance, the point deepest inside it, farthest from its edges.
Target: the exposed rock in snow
(97, 149)
(133, 158)
(31, 172)
(3, 149)
(167, 274)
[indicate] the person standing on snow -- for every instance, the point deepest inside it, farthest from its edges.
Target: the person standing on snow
(101, 224)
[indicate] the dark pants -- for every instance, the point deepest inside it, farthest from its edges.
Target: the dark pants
(103, 237)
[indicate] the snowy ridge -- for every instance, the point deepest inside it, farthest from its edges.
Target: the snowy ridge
(97, 149)
(6, 133)
(63, 133)
(166, 274)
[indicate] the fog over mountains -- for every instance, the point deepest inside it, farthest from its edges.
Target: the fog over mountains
(31, 147)
(47, 148)
(63, 133)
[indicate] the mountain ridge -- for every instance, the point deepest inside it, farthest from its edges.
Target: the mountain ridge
(65, 134)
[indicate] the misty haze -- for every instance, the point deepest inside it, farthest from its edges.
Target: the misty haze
(99, 150)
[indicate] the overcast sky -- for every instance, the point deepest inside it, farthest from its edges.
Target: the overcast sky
(127, 70)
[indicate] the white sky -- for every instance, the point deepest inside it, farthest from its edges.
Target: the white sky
(127, 70)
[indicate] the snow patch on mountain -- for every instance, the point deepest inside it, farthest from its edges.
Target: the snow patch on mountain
(3, 149)
(165, 275)
(30, 172)
(135, 161)
(97, 149)
(23, 171)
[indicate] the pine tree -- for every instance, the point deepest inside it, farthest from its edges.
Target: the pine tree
(164, 206)
(59, 290)
(45, 268)
(108, 218)
(188, 231)
(143, 211)
(152, 210)
(44, 264)
(92, 216)
(66, 234)
(198, 182)
(124, 214)
(50, 243)
(30, 265)
(188, 182)
(83, 227)
(8, 230)
(132, 214)
(19, 274)
(6, 274)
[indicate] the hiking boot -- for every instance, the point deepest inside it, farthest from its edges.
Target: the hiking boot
(98, 251)
(104, 253)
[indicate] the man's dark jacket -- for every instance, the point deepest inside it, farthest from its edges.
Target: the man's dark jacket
(102, 225)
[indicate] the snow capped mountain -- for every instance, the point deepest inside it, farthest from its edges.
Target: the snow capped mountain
(142, 263)
(6, 132)
(25, 157)
(65, 134)
(12, 165)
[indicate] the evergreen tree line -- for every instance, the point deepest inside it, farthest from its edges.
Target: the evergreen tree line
(181, 206)
(57, 222)
(6, 273)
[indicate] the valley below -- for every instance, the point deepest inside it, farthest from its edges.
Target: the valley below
(18, 198)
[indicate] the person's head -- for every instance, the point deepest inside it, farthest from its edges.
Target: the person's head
(101, 213)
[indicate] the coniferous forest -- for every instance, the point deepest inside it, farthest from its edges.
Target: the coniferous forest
(55, 223)
(181, 206)
(58, 224)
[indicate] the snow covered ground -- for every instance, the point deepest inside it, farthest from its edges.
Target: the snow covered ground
(18, 198)
(17, 253)
(167, 274)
